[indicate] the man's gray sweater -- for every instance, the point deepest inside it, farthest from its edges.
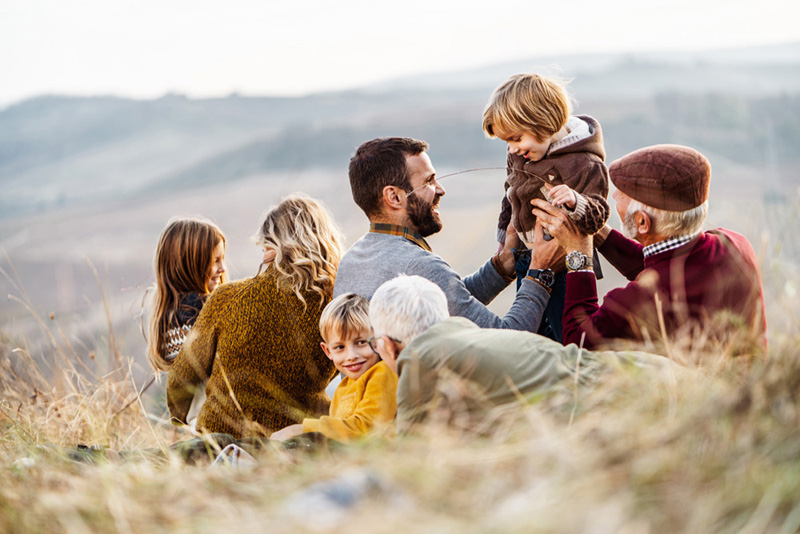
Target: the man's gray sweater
(377, 257)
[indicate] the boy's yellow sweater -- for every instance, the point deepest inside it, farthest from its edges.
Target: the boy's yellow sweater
(359, 405)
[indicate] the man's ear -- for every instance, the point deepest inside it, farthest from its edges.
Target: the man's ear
(394, 348)
(643, 222)
(326, 350)
(391, 197)
(393, 353)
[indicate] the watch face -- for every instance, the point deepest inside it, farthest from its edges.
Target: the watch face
(547, 277)
(575, 260)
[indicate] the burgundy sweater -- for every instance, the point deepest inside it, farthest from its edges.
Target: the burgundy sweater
(714, 273)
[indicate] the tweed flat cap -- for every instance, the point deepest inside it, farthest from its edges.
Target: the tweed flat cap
(667, 177)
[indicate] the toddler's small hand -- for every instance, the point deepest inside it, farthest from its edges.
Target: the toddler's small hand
(562, 195)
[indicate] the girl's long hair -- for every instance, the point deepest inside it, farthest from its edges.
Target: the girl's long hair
(183, 263)
(307, 246)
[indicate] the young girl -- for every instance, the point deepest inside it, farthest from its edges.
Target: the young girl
(189, 265)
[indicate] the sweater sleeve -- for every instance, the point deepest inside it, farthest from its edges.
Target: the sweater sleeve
(587, 323)
(377, 405)
(192, 365)
(485, 283)
(592, 184)
(468, 298)
(416, 388)
(624, 254)
(504, 218)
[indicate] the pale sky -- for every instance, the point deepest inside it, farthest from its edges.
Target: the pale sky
(145, 48)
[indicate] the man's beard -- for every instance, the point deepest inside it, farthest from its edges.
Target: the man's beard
(422, 216)
(629, 225)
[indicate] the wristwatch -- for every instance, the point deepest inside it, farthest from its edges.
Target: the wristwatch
(578, 261)
(544, 277)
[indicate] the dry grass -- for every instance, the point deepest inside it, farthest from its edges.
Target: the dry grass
(712, 451)
(716, 450)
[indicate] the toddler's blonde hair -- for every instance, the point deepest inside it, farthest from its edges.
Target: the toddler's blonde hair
(530, 103)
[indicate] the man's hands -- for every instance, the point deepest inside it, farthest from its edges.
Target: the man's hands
(562, 227)
(506, 254)
(553, 219)
(568, 237)
(545, 254)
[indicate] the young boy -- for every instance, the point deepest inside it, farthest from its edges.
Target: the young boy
(366, 398)
(551, 155)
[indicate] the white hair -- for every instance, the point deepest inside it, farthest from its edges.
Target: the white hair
(406, 306)
(667, 223)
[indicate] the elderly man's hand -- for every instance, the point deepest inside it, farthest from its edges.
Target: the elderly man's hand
(559, 225)
(545, 254)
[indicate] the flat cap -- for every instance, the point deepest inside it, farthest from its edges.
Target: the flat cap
(666, 177)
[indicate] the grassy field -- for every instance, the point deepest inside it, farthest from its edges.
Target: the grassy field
(716, 450)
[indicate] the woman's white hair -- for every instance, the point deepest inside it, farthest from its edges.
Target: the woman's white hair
(406, 306)
(667, 223)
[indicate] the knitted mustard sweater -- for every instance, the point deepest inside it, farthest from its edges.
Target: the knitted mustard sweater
(259, 350)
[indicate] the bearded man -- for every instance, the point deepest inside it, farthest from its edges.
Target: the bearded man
(686, 286)
(393, 181)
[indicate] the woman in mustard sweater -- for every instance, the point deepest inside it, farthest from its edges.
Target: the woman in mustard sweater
(256, 342)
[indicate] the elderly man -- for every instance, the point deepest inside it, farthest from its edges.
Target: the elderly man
(393, 181)
(685, 283)
(492, 368)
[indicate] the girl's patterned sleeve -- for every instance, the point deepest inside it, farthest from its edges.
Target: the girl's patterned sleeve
(192, 367)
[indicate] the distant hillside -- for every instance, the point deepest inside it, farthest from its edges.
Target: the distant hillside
(755, 71)
(60, 152)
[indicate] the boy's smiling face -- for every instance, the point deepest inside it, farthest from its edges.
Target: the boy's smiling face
(352, 355)
(524, 144)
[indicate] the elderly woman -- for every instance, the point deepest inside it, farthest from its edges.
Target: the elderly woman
(256, 343)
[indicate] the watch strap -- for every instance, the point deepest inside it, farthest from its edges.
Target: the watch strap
(548, 289)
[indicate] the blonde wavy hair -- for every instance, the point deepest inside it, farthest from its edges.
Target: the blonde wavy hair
(306, 243)
(528, 103)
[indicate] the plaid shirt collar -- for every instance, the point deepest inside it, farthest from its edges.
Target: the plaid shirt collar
(393, 229)
(667, 244)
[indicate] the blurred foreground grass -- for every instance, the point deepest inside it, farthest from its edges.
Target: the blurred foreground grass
(713, 451)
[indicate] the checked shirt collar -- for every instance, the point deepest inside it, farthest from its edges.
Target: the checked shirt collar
(393, 229)
(667, 244)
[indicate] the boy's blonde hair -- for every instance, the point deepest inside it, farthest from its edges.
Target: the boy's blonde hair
(346, 316)
(530, 103)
